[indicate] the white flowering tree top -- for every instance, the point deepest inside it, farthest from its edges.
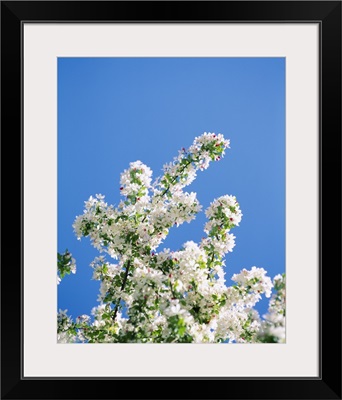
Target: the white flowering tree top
(152, 296)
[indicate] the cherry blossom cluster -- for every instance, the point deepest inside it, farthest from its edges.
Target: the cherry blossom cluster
(66, 264)
(273, 323)
(151, 296)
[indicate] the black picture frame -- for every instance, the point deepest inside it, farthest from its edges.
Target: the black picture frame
(328, 384)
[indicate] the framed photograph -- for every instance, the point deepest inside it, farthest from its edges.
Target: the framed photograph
(174, 174)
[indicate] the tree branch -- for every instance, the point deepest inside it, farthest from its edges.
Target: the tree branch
(122, 288)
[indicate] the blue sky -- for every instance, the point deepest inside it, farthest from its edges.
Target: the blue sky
(112, 111)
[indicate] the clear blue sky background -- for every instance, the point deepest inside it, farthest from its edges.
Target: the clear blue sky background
(112, 111)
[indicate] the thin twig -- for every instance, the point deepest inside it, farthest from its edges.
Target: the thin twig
(122, 288)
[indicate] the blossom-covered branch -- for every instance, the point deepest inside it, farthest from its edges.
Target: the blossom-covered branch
(151, 296)
(66, 264)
